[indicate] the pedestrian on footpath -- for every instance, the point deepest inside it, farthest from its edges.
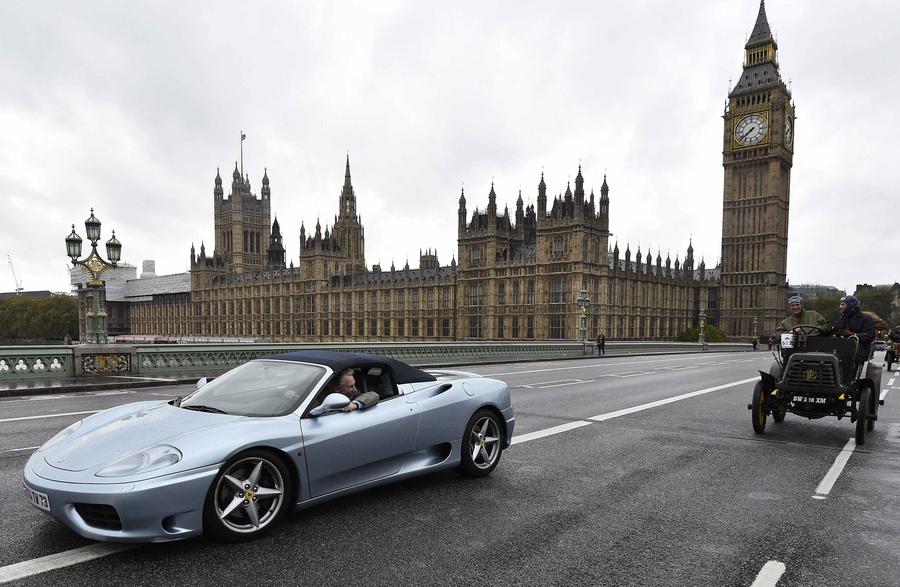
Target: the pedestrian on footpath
(601, 345)
(771, 342)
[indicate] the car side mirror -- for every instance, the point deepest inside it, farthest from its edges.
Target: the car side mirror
(201, 382)
(333, 402)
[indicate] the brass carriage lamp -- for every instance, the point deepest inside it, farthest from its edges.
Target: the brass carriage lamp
(92, 227)
(113, 249)
(73, 245)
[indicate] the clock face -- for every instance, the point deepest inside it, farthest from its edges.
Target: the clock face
(788, 131)
(751, 130)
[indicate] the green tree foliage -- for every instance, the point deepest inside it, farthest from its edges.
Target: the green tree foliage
(712, 334)
(877, 301)
(49, 318)
(827, 305)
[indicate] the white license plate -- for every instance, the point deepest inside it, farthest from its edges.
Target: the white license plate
(809, 400)
(38, 499)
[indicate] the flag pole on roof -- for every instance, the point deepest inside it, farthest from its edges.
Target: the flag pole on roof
(243, 136)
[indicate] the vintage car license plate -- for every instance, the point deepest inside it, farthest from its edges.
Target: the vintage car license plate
(809, 400)
(38, 499)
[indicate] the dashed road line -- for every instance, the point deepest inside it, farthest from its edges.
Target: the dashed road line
(891, 381)
(59, 560)
(770, 574)
(662, 402)
(19, 419)
(884, 393)
(834, 472)
(609, 416)
(601, 363)
(550, 431)
(20, 449)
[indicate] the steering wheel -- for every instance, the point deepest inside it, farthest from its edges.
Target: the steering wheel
(807, 329)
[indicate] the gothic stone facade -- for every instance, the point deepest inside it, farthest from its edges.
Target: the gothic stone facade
(518, 276)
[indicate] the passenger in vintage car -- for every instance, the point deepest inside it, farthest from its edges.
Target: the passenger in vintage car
(799, 315)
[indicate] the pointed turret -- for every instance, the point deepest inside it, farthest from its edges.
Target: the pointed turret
(348, 197)
(275, 252)
(217, 190)
(542, 199)
(579, 187)
(461, 213)
(492, 203)
(266, 192)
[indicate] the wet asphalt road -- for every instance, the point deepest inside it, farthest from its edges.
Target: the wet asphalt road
(678, 494)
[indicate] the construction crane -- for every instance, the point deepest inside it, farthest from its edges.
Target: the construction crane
(16, 280)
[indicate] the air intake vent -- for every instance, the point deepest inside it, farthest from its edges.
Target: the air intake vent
(99, 516)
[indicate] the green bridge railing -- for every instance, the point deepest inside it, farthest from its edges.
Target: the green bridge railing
(32, 362)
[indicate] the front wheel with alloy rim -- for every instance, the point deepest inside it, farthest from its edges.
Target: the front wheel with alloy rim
(482, 444)
(758, 408)
(862, 415)
(248, 496)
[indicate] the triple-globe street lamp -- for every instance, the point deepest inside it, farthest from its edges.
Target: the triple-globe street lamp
(94, 263)
(584, 304)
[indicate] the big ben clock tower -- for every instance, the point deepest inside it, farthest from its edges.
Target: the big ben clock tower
(757, 156)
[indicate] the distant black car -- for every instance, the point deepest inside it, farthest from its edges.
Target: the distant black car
(880, 345)
(817, 376)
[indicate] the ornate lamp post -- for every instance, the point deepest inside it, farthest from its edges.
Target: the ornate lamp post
(94, 263)
(755, 331)
(584, 304)
(702, 340)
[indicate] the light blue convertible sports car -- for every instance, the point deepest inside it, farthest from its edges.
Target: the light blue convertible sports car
(231, 458)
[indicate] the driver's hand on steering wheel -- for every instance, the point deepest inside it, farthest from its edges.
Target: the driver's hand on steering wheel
(846, 332)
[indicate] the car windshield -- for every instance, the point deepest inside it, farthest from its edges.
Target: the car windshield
(257, 388)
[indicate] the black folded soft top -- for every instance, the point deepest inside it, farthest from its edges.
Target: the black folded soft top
(402, 372)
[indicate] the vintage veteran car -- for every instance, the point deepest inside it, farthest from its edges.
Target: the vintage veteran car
(267, 436)
(817, 376)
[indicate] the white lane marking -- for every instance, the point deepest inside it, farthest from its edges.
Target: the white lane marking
(834, 472)
(48, 416)
(551, 383)
(604, 364)
(550, 431)
(625, 374)
(891, 380)
(770, 573)
(602, 417)
(626, 411)
(114, 392)
(145, 378)
(883, 395)
(39, 398)
(59, 560)
(20, 449)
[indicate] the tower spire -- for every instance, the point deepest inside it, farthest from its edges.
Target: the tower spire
(761, 34)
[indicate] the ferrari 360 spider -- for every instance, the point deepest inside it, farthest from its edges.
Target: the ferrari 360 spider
(233, 456)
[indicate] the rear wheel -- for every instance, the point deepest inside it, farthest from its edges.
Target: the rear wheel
(758, 408)
(863, 408)
(248, 496)
(482, 444)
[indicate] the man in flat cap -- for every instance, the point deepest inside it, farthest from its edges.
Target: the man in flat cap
(800, 315)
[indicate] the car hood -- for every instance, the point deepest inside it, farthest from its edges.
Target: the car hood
(114, 433)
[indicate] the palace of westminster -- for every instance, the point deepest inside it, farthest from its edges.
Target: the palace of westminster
(515, 276)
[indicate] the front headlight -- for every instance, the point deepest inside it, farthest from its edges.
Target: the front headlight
(142, 461)
(66, 433)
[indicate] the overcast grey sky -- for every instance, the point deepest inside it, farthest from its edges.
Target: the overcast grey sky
(129, 107)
